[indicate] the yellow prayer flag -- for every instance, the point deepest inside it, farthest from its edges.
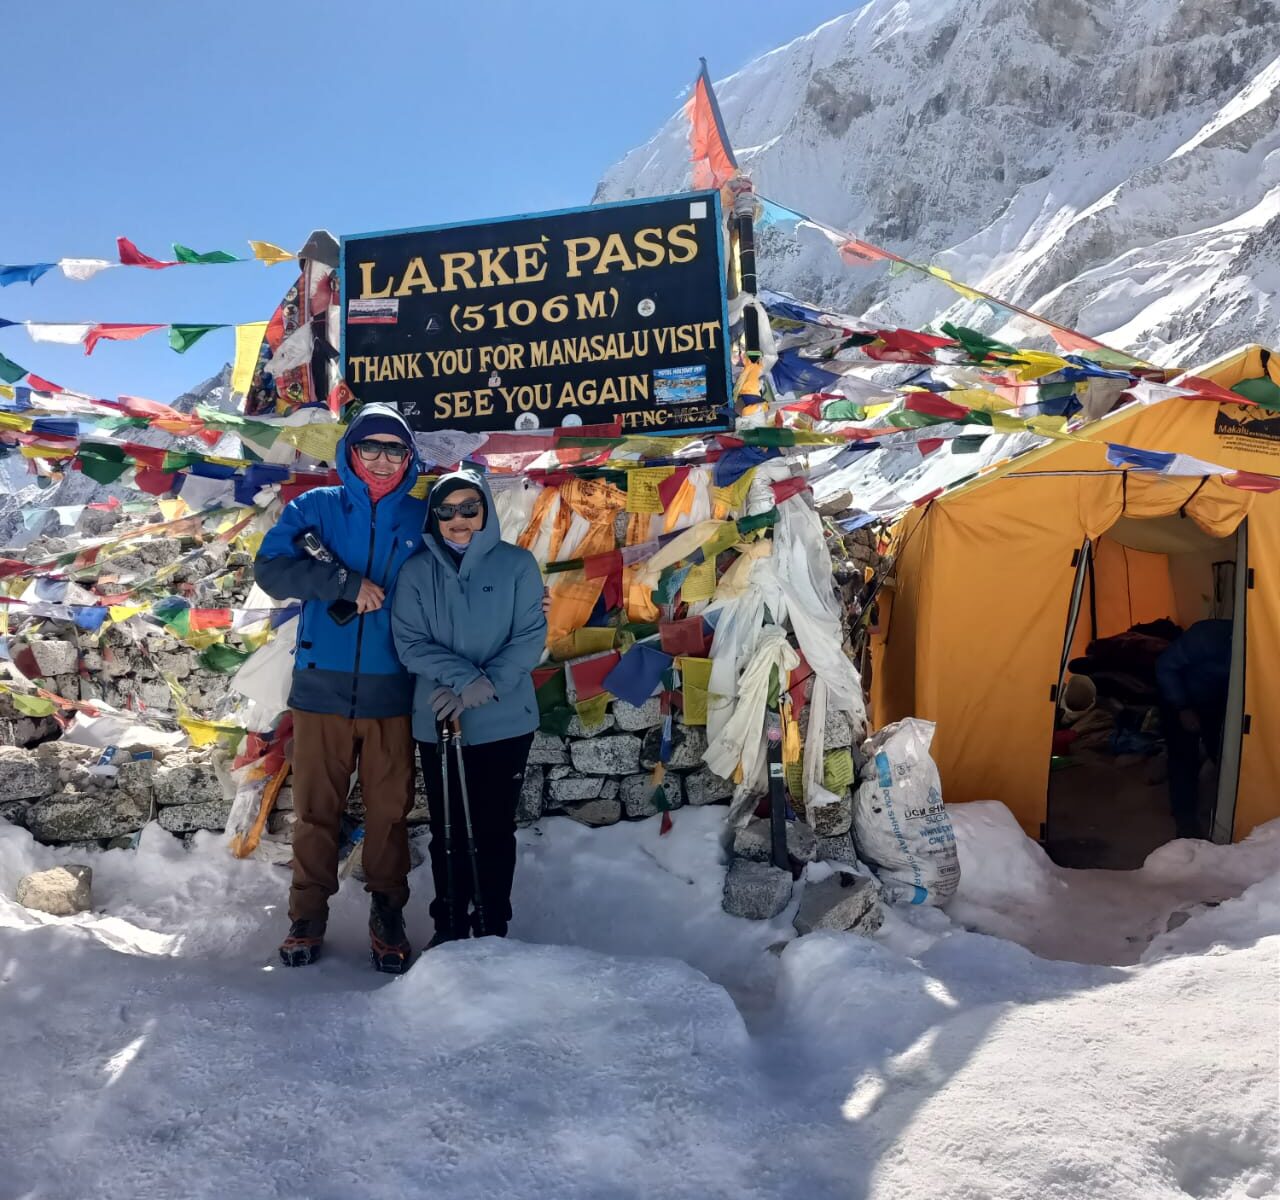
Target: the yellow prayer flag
(837, 770)
(122, 612)
(1007, 423)
(642, 488)
(172, 509)
(201, 733)
(33, 706)
(592, 712)
(695, 676)
(979, 399)
(700, 583)
(734, 496)
(7, 392)
(319, 440)
(1035, 364)
(270, 254)
(248, 341)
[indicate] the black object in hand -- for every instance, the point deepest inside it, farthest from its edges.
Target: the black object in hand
(342, 611)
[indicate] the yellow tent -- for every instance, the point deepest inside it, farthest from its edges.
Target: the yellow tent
(983, 609)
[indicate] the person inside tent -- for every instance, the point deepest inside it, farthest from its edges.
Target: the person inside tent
(1193, 674)
(469, 624)
(339, 550)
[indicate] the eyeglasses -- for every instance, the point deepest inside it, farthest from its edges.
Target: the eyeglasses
(369, 451)
(468, 508)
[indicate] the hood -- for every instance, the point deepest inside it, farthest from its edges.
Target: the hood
(485, 538)
(354, 485)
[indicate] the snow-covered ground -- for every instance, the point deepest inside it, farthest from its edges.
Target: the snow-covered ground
(633, 1040)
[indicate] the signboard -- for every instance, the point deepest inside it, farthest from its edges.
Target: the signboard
(582, 317)
(1248, 429)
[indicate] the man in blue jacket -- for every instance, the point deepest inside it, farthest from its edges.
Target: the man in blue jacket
(1194, 676)
(351, 699)
(469, 624)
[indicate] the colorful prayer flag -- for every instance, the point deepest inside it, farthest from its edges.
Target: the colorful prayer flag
(184, 254)
(709, 147)
(131, 256)
(116, 333)
(267, 253)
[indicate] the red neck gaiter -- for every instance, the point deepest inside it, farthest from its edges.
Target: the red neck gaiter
(378, 485)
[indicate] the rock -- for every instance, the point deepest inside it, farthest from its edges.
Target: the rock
(548, 750)
(28, 731)
(837, 734)
(704, 786)
(529, 806)
(756, 891)
(124, 842)
(207, 814)
(55, 657)
(755, 841)
(633, 719)
(616, 754)
(156, 694)
(282, 822)
(14, 811)
(284, 799)
(596, 812)
(137, 779)
(688, 745)
(843, 901)
(637, 794)
(77, 816)
(24, 775)
(833, 818)
(570, 788)
(187, 783)
(60, 891)
(578, 730)
(560, 771)
(838, 849)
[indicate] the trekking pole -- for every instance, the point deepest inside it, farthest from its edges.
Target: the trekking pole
(481, 926)
(451, 891)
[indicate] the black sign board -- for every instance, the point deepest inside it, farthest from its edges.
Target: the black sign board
(610, 313)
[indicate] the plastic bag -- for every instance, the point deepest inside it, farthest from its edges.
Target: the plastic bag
(900, 824)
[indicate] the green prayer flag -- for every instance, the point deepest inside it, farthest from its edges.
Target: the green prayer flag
(762, 520)
(102, 462)
(969, 443)
(10, 372)
(843, 410)
(768, 436)
(185, 254)
(909, 419)
(223, 659)
(976, 345)
(178, 460)
(1262, 392)
(183, 337)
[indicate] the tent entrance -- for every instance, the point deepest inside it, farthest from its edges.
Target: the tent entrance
(1124, 758)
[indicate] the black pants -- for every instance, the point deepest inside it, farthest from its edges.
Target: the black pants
(495, 775)
(1184, 750)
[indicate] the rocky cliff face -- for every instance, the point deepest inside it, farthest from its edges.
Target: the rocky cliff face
(1113, 164)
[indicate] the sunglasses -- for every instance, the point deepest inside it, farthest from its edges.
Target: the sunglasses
(468, 508)
(392, 451)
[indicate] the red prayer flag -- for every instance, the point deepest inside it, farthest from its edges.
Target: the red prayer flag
(600, 566)
(116, 333)
(688, 637)
(784, 489)
(208, 618)
(855, 253)
(927, 446)
(136, 406)
(930, 404)
(709, 148)
(148, 456)
(36, 384)
(1206, 389)
(588, 675)
(1068, 339)
(1249, 482)
(668, 488)
(153, 481)
(131, 256)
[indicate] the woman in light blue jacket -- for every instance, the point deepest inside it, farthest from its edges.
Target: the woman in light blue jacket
(469, 626)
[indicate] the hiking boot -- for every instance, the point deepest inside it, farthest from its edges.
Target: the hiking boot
(390, 948)
(302, 947)
(447, 935)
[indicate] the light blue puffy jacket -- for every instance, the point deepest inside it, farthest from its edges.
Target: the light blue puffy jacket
(453, 624)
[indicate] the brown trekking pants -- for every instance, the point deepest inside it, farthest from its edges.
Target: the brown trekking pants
(326, 751)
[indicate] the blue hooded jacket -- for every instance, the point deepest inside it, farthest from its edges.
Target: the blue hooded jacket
(482, 617)
(350, 670)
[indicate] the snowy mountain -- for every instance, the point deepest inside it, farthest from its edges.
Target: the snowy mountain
(1113, 164)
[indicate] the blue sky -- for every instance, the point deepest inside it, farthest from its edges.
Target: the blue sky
(208, 124)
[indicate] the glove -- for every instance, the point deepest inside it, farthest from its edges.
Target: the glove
(445, 703)
(477, 692)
